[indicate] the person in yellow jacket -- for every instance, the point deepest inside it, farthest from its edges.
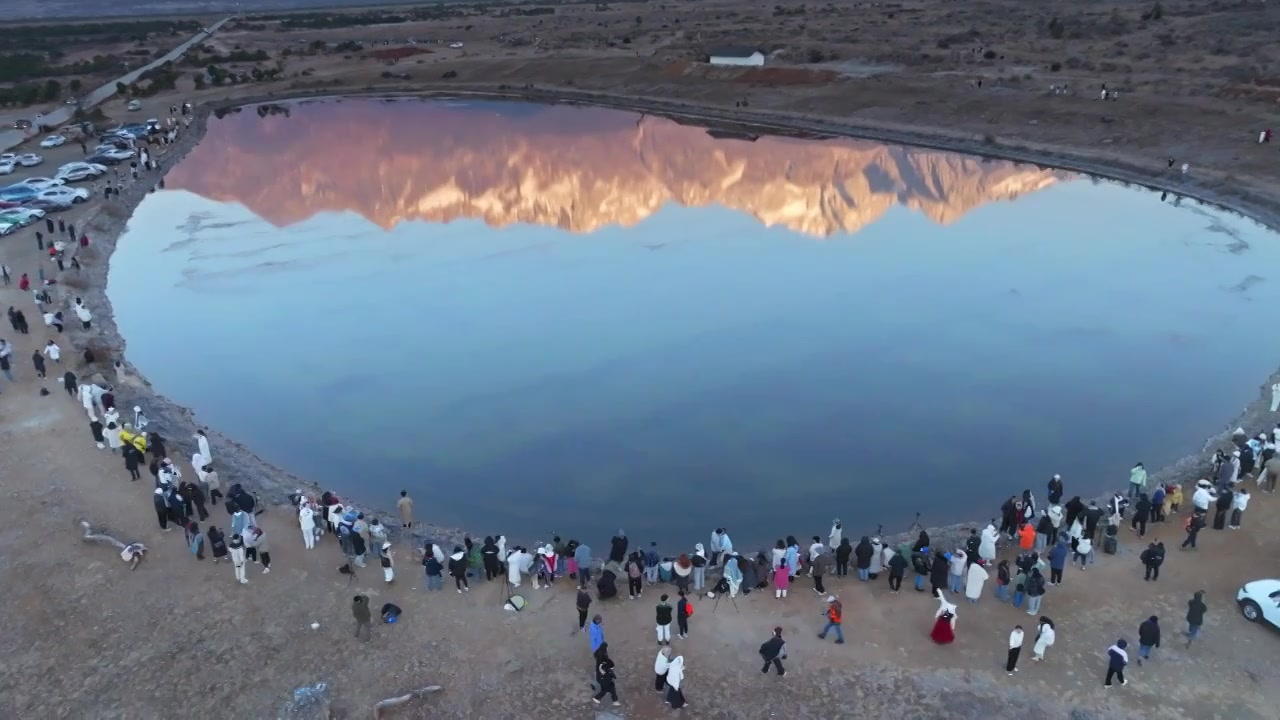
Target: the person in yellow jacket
(138, 440)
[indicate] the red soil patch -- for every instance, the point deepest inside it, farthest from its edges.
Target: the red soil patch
(786, 76)
(400, 53)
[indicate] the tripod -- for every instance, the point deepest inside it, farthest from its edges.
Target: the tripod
(732, 599)
(915, 524)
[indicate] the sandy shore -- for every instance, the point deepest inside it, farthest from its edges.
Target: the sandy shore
(241, 464)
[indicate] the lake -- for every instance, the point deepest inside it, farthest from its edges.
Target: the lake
(555, 319)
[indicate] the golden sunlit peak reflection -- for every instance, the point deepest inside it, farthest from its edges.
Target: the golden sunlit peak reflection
(578, 169)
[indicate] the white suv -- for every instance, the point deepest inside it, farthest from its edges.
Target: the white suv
(1259, 601)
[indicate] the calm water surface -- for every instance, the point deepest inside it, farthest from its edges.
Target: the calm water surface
(553, 319)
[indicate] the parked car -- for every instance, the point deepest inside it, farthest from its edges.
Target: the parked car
(111, 155)
(7, 166)
(21, 216)
(23, 124)
(7, 228)
(47, 204)
(1259, 601)
(36, 183)
(134, 105)
(77, 171)
(29, 160)
(18, 193)
(53, 141)
(61, 195)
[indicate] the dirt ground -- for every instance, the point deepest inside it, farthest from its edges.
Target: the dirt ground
(89, 638)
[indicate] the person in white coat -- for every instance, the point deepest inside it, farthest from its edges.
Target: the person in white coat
(387, 562)
(82, 312)
(987, 548)
(1044, 639)
(112, 434)
(836, 534)
(202, 441)
(976, 577)
(86, 400)
(815, 549)
(307, 521)
(661, 665)
(1055, 518)
(675, 682)
(517, 563)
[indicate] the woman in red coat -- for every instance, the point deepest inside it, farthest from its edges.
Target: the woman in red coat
(944, 624)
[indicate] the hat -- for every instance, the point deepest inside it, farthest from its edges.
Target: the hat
(831, 598)
(159, 491)
(1235, 454)
(386, 546)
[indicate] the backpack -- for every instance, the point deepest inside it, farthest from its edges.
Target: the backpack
(688, 609)
(633, 569)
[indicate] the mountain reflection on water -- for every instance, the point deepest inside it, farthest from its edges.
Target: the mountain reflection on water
(574, 168)
(573, 319)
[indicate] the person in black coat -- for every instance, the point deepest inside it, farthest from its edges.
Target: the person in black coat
(1092, 515)
(131, 460)
(920, 565)
(618, 547)
(1141, 513)
(1009, 516)
(862, 557)
(1117, 659)
(897, 569)
(1073, 507)
(750, 579)
(162, 509)
(972, 544)
(922, 541)
(1148, 638)
(1055, 489)
(938, 573)
(1223, 506)
(217, 543)
(1152, 559)
(842, 557)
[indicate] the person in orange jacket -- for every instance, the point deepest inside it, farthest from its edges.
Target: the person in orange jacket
(1026, 536)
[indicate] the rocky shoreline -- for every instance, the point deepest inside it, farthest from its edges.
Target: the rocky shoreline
(238, 463)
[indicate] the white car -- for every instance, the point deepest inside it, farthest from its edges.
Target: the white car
(76, 171)
(53, 141)
(1259, 601)
(39, 183)
(113, 152)
(7, 166)
(29, 160)
(134, 105)
(63, 196)
(8, 228)
(455, 45)
(20, 215)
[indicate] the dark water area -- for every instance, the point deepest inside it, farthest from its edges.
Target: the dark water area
(549, 319)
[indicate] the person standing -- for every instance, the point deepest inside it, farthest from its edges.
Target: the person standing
(1117, 659)
(1137, 480)
(82, 312)
(835, 616)
(1045, 637)
(1141, 514)
(131, 459)
(976, 577)
(1084, 548)
(675, 679)
(1148, 638)
(1035, 591)
(660, 667)
(235, 545)
(957, 564)
(217, 543)
(162, 509)
(699, 562)
(818, 566)
(38, 361)
(635, 573)
(583, 604)
(364, 620)
(1003, 581)
(1195, 616)
(683, 611)
(458, 569)
(663, 616)
(862, 557)
(897, 571)
(843, 551)
(1152, 559)
(1058, 560)
(405, 506)
(774, 651)
(307, 521)
(1015, 649)
(1239, 502)
(256, 541)
(388, 563)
